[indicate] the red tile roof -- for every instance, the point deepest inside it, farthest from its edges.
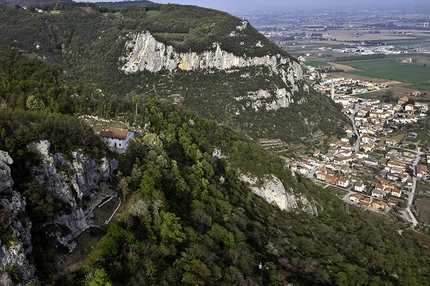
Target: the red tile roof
(115, 133)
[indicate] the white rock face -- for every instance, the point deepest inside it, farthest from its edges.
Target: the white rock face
(144, 52)
(265, 99)
(86, 173)
(71, 181)
(13, 253)
(273, 191)
(6, 181)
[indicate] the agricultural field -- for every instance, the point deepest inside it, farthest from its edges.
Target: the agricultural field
(422, 202)
(424, 209)
(390, 68)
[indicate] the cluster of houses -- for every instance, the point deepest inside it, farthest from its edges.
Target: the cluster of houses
(338, 87)
(366, 201)
(349, 163)
(369, 50)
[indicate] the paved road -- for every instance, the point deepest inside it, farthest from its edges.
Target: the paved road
(414, 187)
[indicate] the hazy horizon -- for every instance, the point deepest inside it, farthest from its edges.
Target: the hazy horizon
(250, 5)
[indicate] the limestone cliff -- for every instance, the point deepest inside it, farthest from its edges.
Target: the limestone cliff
(144, 52)
(71, 181)
(15, 240)
(273, 191)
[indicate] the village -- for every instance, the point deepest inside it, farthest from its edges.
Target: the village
(375, 164)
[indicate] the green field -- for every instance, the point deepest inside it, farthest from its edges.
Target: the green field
(393, 70)
(368, 95)
(338, 192)
(422, 136)
(425, 87)
(316, 63)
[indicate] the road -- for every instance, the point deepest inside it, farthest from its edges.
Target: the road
(414, 187)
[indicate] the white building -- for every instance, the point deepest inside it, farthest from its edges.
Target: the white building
(117, 138)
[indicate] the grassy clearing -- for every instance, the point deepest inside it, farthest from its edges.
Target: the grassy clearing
(398, 137)
(345, 68)
(336, 191)
(421, 136)
(317, 63)
(369, 95)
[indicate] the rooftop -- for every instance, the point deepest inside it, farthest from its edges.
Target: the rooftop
(115, 133)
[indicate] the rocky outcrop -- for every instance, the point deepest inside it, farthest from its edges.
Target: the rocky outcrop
(265, 99)
(144, 52)
(273, 191)
(15, 242)
(68, 180)
(6, 181)
(71, 181)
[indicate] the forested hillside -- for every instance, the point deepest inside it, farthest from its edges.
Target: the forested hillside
(187, 218)
(87, 41)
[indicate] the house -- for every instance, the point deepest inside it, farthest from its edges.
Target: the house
(409, 107)
(392, 176)
(303, 170)
(365, 201)
(378, 204)
(421, 171)
(395, 163)
(391, 142)
(404, 177)
(397, 107)
(360, 187)
(370, 162)
(402, 100)
(377, 186)
(331, 179)
(117, 138)
(344, 140)
(377, 194)
(373, 101)
(321, 175)
(355, 198)
(367, 139)
(293, 167)
(343, 182)
(394, 192)
(366, 147)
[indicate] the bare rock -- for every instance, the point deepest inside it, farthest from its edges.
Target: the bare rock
(71, 181)
(16, 229)
(6, 181)
(273, 191)
(144, 52)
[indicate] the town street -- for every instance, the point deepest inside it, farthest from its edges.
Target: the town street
(412, 193)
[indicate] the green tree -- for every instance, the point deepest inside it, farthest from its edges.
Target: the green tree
(171, 228)
(100, 278)
(388, 95)
(34, 103)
